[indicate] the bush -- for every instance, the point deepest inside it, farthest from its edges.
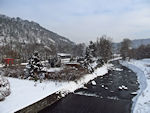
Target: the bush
(67, 74)
(4, 88)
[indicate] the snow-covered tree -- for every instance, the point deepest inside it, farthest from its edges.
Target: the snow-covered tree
(90, 52)
(4, 88)
(92, 48)
(34, 67)
(89, 57)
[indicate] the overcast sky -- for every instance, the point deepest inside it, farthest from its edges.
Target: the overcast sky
(84, 20)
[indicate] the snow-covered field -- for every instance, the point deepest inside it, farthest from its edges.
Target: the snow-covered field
(25, 92)
(142, 100)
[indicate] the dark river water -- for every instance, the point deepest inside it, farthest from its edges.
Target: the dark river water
(104, 97)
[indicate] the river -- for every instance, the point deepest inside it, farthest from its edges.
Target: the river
(112, 93)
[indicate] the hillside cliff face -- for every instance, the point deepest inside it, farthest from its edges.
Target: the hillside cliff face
(23, 36)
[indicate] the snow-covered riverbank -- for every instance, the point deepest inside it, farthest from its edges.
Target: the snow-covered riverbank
(141, 103)
(25, 92)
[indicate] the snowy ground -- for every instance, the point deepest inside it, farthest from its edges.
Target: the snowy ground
(25, 92)
(142, 100)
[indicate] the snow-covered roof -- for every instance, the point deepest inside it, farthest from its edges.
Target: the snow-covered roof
(63, 54)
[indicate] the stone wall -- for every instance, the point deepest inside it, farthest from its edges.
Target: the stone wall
(37, 106)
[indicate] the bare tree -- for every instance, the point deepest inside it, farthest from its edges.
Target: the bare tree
(78, 49)
(104, 47)
(142, 52)
(125, 48)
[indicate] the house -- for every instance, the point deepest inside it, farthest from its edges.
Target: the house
(65, 58)
(8, 61)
